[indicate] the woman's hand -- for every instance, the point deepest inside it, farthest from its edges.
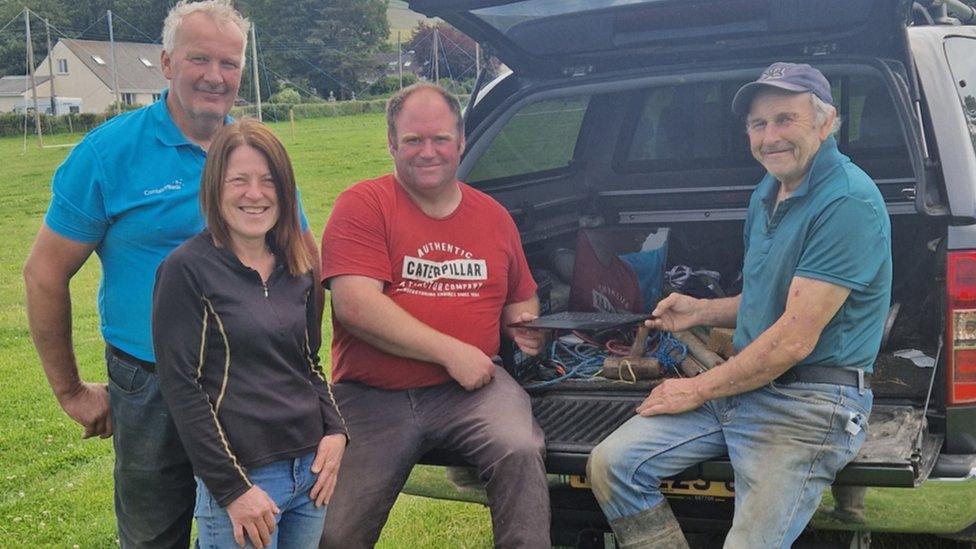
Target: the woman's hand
(326, 466)
(253, 512)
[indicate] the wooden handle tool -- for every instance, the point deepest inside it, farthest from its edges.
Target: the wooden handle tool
(635, 366)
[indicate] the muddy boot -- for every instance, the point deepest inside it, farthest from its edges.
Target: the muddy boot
(848, 503)
(654, 528)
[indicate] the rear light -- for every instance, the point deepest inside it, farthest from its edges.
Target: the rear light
(961, 325)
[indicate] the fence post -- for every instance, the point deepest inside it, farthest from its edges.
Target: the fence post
(291, 116)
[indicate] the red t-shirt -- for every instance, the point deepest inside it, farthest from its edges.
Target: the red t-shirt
(454, 274)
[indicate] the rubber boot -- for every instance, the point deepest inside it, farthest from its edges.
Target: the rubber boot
(651, 528)
(848, 503)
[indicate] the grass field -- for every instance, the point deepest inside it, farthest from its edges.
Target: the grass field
(55, 488)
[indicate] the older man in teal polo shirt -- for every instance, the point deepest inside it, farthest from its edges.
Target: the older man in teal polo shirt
(129, 193)
(790, 408)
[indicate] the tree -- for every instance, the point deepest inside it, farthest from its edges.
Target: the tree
(133, 21)
(456, 51)
(13, 44)
(285, 96)
(328, 44)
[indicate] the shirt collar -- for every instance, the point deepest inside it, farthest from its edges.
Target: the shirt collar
(167, 132)
(827, 157)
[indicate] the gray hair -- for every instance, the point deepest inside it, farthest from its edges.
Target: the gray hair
(822, 111)
(222, 13)
(395, 105)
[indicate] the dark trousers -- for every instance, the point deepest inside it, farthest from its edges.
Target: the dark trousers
(492, 428)
(154, 486)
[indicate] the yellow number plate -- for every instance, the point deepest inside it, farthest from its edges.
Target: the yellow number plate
(704, 488)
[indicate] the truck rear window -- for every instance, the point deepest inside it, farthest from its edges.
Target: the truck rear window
(960, 52)
(540, 137)
(691, 126)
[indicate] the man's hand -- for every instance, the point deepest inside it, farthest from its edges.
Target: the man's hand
(253, 512)
(673, 396)
(675, 313)
(87, 404)
(530, 340)
(470, 367)
(326, 466)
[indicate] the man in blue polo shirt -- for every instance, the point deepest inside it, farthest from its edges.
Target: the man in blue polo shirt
(790, 408)
(129, 192)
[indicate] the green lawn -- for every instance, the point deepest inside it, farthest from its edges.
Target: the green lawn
(55, 488)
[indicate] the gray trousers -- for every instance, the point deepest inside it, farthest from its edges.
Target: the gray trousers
(492, 428)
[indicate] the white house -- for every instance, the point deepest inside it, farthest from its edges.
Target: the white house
(83, 69)
(15, 92)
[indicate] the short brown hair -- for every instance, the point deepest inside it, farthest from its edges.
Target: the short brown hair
(395, 105)
(286, 235)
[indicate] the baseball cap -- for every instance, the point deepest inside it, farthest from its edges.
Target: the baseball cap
(794, 77)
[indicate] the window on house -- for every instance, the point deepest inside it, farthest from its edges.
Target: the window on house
(62, 66)
(156, 97)
(146, 62)
(128, 98)
(98, 59)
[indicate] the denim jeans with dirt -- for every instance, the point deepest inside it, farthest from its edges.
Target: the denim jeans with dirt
(785, 443)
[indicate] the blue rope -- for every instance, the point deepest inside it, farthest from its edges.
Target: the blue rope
(670, 353)
(584, 361)
(580, 361)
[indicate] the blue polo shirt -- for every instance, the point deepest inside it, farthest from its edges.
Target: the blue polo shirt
(834, 228)
(130, 186)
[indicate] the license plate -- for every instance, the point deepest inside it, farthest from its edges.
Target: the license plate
(703, 488)
(680, 488)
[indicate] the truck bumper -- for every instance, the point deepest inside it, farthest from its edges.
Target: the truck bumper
(941, 506)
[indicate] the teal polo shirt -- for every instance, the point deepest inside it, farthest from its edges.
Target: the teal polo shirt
(130, 187)
(834, 228)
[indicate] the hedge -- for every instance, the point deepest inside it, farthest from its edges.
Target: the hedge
(278, 112)
(13, 124)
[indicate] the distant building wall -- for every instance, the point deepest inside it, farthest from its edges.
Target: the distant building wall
(79, 82)
(140, 98)
(7, 103)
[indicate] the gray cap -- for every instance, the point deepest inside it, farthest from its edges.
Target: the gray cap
(794, 77)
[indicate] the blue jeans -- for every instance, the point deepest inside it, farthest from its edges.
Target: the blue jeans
(785, 442)
(287, 482)
(154, 488)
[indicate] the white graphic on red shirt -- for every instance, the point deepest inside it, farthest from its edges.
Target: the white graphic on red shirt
(462, 276)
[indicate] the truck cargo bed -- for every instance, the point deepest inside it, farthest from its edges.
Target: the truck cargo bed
(577, 416)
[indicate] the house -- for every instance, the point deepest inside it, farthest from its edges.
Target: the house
(83, 69)
(387, 64)
(15, 93)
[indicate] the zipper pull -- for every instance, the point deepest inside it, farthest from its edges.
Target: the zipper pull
(264, 285)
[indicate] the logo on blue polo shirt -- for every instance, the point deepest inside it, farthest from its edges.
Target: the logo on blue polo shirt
(175, 185)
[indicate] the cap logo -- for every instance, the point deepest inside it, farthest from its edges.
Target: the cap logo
(773, 72)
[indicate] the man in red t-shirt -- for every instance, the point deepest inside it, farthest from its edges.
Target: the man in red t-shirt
(426, 273)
